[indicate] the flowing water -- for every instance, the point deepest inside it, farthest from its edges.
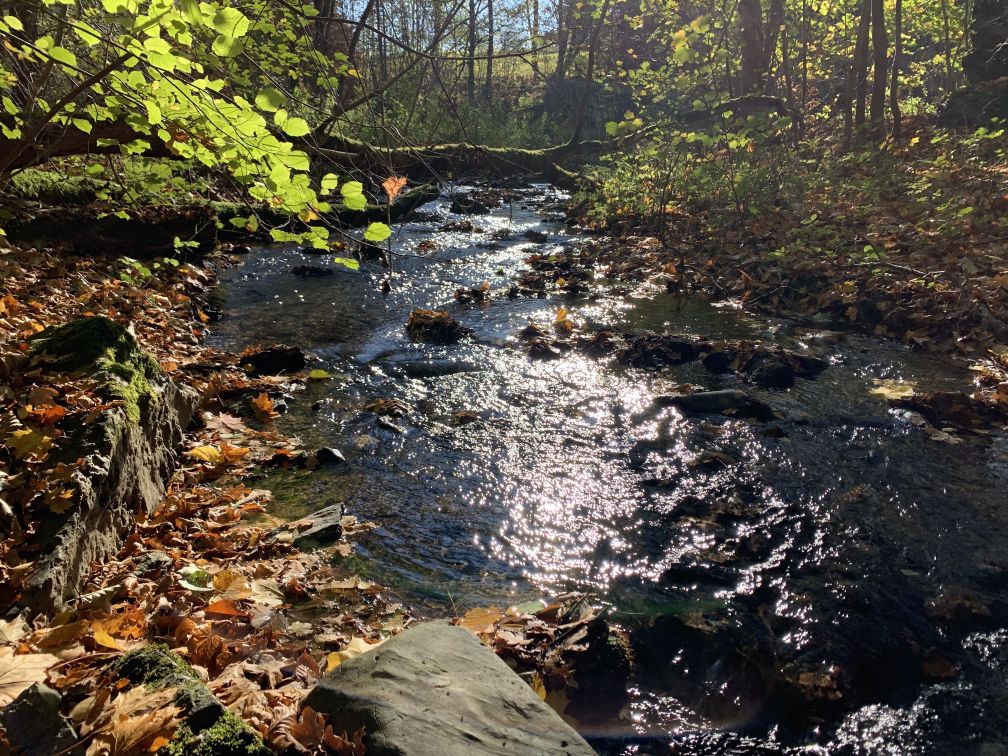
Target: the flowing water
(820, 549)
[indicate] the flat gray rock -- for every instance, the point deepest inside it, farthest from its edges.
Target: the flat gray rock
(435, 690)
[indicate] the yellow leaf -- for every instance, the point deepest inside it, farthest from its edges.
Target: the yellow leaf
(481, 620)
(103, 639)
(26, 442)
(893, 389)
(207, 454)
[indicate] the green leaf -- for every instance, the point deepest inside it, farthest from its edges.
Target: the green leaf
(230, 22)
(228, 47)
(14, 23)
(329, 182)
(296, 127)
(191, 10)
(153, 112)
(347, 262)
(270, 100)
(353, 195)
(62, 55)
(377, 232)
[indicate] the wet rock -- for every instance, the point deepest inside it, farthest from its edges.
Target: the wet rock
(651, 351)
(773, 374)
(34, 725)
(474, 295)
(719, 361)
(602, 671)
(323, 526)
(154, 561)
(958, 607)
(713, 402)
(463, 417)
(240, 249)
(435, 327)
(329, 456)
(467, 204)
(311, 271)
(274, 360)
(387, 407)
(441, 692)
(538, 237)
(543, 349)
(384, 422)
(941, 408)
(601, 343)
(456, 225)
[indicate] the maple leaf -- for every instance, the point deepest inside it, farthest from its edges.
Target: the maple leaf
(393, 185)
(262, 407)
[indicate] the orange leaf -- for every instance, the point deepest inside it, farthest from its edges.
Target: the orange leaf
(262, 406)
(224, 606)
(393, 185)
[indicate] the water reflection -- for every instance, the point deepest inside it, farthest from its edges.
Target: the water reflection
(817, 540)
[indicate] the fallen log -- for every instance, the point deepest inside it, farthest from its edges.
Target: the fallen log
(151, 232)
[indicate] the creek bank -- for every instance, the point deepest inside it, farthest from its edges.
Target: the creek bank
(121, 459)
(150, 232)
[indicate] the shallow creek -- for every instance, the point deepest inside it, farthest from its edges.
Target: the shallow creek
(844, 544)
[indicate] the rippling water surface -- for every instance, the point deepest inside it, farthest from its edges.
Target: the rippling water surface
(816, 545)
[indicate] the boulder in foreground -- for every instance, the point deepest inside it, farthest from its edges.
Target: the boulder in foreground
(435, 689)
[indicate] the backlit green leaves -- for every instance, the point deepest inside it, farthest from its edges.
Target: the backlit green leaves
(353, 195)
(270, 100)
(231, 22)
(377, 232)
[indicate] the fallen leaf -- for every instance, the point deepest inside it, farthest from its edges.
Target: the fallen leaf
(18, 672)
(207, 454)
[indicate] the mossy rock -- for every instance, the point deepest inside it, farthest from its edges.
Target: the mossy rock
(125, 369)
(151, 665)
(209, 729)
(229, 736)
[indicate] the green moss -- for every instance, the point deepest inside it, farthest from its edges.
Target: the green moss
(125, 369)
(53, 187)
(151, 665)
(230, 736)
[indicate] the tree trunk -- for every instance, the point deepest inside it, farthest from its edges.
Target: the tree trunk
(880, 43)
(897, 116)
(471, 55)
(488, 86)
(751, 19)
(590, 72)
(861, 64)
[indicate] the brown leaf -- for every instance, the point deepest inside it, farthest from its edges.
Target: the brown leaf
(20, 671)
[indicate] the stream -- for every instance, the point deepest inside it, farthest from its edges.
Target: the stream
(830, 583)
